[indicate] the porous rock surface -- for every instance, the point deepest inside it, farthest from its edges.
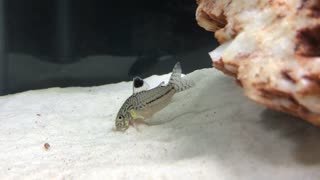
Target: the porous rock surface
(271, 48)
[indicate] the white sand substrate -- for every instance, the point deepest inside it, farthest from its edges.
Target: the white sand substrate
(210, 131)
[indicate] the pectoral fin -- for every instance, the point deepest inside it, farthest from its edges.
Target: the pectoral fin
(135, 115)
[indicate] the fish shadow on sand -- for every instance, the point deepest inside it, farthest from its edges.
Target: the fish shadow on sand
(304, 135)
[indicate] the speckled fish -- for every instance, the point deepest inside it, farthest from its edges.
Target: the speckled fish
(142, 104)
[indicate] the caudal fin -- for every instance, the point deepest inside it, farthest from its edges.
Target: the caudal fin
(177, 81)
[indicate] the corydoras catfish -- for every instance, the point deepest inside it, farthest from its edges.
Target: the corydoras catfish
(143, 104)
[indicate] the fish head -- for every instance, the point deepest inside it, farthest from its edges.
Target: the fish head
(122, 122)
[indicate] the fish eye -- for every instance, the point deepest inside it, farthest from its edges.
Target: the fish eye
(120, 117)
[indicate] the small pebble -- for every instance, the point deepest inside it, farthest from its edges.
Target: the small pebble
(46, 146)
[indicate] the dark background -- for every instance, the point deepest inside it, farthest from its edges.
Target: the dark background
(85, 43)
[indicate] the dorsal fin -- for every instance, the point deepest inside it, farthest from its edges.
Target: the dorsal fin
(139, 85)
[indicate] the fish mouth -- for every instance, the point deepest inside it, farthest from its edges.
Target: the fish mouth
(122, 129)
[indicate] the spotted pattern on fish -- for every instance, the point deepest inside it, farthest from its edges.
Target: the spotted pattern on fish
(148, 102)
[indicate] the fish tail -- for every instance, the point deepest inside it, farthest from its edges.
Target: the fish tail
(178, 83)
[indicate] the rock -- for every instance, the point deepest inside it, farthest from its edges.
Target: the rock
(271, 48)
